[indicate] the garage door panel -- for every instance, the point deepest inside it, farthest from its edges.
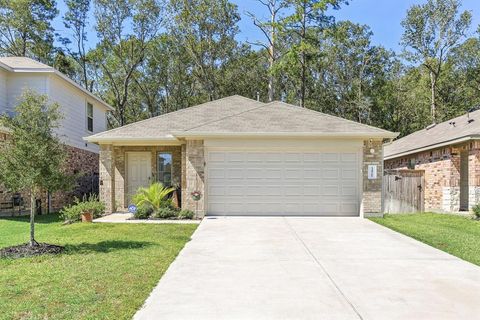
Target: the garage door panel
(216, 156)
(282, 183)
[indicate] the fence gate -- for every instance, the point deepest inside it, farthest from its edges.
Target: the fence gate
(404, 191)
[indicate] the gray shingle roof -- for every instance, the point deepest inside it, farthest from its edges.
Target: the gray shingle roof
(441, 133)
(238, 115)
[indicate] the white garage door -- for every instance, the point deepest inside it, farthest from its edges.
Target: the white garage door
(283, 183)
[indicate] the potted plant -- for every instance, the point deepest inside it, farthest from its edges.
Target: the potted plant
(85, 210)
(87, 215)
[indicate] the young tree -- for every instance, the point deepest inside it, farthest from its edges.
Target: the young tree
(33, 157)
(431, 31)
(76, 19)
(270, 29)
(25, 28)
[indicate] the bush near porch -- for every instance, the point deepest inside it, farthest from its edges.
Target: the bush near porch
(106, 272)
(457, 235)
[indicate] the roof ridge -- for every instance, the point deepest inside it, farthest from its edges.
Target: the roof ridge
(289, 105)
(226, 117)
(169, 113)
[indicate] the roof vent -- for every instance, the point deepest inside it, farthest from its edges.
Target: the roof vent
(431, 126)
(452, 123)
(470, 120)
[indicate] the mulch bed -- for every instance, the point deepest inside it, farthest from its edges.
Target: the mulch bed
(26, 250)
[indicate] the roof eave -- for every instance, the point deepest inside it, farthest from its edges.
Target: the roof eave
(171, 140)
(433, 146)
(359, 135)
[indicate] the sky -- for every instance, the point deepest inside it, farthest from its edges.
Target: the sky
(383, 17)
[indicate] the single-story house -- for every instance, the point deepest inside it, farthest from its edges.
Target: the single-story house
(246, 157)
(449, 152)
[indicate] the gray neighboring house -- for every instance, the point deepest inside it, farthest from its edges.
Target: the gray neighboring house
(449, 152)
(248, 158)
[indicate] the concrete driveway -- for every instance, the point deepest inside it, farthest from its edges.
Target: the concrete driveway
(312, 268)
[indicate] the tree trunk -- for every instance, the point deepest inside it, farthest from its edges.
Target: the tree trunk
(432, 88)
(32, 218)
(272, 55)
(303, 58)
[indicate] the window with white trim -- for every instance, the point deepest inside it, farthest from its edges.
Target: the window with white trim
(164, 168)
(89, 117)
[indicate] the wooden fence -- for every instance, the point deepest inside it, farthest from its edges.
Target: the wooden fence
(403, 191)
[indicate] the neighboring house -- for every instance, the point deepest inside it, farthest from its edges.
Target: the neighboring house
(248, 158)
(83, 114)
(449, 152)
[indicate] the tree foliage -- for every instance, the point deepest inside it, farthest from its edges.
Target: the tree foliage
(33, 157)
(25, 28)
(158, 56)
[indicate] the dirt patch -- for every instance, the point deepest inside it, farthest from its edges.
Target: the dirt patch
(26, 250)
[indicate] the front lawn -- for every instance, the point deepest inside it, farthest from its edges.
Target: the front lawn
(107, 271)
(457, 235)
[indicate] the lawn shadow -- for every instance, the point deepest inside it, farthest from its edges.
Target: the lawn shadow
(39, 219)
(105, 246)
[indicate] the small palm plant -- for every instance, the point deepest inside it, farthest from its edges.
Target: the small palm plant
(155, 195)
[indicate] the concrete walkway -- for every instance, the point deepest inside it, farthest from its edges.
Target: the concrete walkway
(127, 218)
(312, 268)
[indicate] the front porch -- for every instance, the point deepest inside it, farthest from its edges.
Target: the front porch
(125, 168)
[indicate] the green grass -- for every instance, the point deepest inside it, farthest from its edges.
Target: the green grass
(457, 235)
(107, 271)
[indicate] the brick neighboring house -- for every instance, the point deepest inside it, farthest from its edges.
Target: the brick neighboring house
(449, 152)
(83, 114)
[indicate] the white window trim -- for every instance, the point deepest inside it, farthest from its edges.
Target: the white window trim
(87, 117)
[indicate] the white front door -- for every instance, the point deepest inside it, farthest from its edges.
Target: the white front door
(283, 183)
(139, 172)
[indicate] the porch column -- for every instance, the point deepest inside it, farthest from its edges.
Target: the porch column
(107, 177)
(194, 176)
(372, 187)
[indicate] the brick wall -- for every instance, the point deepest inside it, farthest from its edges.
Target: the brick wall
(195, 176)
(442, 174)
(113, 171)
(79, 162)
(372, 188)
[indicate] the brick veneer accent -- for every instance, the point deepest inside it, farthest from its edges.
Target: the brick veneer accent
(194, 176)
(372, 189)
(107, 177)
(442, 174)
(113, 171)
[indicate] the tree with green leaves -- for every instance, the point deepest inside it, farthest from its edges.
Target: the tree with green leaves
(207, 30)
(33, 157)
(76, 19)
(122, 48)
(431, 30)
(306, 16)
(270, 29)
(25, 28)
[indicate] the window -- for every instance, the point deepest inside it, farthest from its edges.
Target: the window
(164, 169)
(89, 117)
(411, 164)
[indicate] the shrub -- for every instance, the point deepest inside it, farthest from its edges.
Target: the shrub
(91, 204)
(155, 195)
(186, 214)
(165, 213)
(143, 212)
(476, 211)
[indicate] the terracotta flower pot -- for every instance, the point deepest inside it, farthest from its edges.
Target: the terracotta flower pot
(87, 217)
